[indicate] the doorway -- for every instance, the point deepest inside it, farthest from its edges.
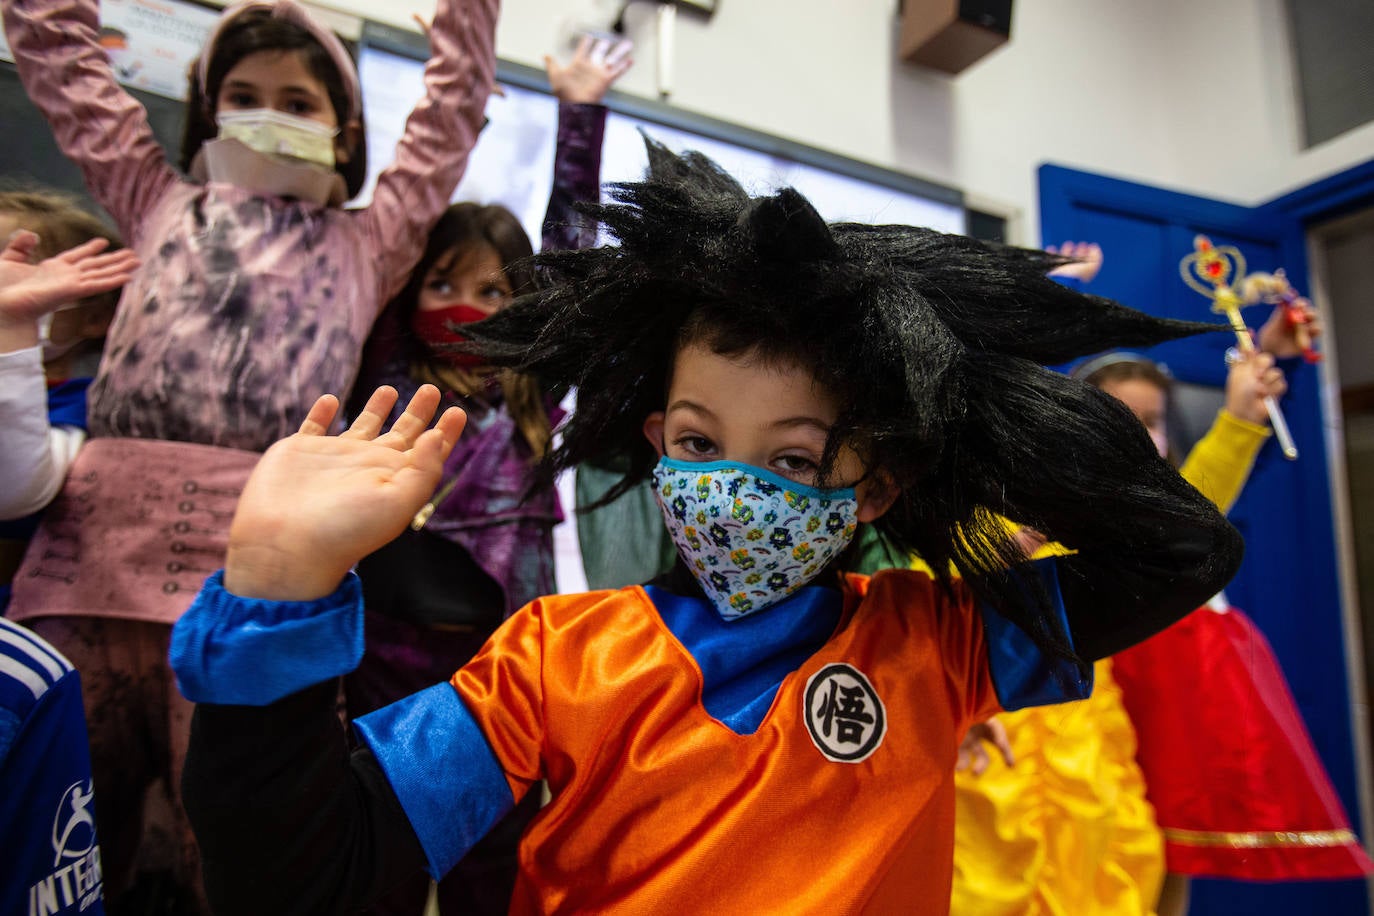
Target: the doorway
(1341, 256)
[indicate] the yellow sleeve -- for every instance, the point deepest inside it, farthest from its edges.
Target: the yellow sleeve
(1221, 461)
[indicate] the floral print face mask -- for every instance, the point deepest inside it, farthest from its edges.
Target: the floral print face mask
(751, 537)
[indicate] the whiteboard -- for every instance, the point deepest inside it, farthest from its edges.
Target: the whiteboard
(512, 164)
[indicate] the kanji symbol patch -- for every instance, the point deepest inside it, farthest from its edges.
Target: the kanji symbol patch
(843, 714)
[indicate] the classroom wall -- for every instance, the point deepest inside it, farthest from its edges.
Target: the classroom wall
(1195, 97)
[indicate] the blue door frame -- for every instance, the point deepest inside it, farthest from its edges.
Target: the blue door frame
(1289, 582)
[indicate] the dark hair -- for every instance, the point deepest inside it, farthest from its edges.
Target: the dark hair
(462, 228)
(933, 345)
(250, 32)
(60, 223)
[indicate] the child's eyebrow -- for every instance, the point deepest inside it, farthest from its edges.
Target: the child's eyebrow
(684, 404)
(814, 422)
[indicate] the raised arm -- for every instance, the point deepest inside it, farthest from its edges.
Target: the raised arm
(579, 86)
(439, 136)
(35, 454)
(1221, 461)
(1148, 547)
(97, 124)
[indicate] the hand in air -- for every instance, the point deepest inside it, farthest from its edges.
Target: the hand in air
(1251, 378)
(596, 64)
(1286, 334)
(1086, 260)
(973, 753)
(316, 504)
(29, 291)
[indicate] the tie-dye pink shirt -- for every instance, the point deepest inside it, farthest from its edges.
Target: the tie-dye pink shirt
(247, 307)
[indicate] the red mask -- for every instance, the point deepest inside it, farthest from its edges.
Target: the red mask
(435, 328)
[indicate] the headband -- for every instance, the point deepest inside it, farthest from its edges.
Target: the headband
(1088, 368)
(294, 13)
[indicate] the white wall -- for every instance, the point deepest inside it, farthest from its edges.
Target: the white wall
(1176, 93)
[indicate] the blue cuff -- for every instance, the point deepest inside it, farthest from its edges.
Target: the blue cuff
(442, 770)
(1022, 674)
(236, 651)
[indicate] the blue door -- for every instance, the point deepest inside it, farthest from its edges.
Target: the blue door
(1289, 580)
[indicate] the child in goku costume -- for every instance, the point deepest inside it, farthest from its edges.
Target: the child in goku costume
(755, 731)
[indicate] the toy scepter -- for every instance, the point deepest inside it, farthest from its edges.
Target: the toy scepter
(1217, 272)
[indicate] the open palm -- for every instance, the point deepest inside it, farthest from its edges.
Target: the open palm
(28, 291)
(316, 504)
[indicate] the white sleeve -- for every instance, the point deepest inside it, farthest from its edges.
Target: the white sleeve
(34, 455)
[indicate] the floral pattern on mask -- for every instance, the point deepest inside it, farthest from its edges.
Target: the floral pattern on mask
(751, 537)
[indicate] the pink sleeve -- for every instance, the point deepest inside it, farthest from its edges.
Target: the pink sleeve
(97, 124)
(415, 189)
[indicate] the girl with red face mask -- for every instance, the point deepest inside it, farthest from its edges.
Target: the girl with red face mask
(435, 594)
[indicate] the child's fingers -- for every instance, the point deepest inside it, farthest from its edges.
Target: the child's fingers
(84, 250)
(124, 257)
(598, 52)
(621, 52)
(411, 425)
(321, 414)
(373, 416)
(451, 426)
(20, 245)
(619, 68)
(584, 47)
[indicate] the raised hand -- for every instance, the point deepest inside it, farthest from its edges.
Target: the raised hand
(316, 504)
(28, 291)
(1251, 378)
(596, 64)
(1087, 260)
(1290, 330)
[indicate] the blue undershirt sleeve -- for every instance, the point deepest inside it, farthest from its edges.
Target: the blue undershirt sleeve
(441, 768)
(1022, 673)
(235, 651)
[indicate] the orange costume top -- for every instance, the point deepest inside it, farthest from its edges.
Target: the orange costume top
(836, 791)
(799, 759)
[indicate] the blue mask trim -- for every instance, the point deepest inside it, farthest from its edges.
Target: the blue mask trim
(761, 473)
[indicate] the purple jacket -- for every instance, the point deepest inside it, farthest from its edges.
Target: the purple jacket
(510, 538)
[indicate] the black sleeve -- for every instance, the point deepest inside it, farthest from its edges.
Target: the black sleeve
(1113, 605)
(1074, 464)
(287, 819)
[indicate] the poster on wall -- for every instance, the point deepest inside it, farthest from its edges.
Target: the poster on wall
(150, 43)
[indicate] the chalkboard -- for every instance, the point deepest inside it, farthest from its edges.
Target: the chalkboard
(29, 155)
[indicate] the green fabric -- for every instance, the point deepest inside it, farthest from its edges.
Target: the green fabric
(624, 543)
(871, 552)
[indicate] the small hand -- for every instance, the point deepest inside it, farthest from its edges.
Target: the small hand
(316, 504)
(1251, 378)
(595, 65)
(973, 756)
(29, 291)
(1087, 260)
(1286, 334)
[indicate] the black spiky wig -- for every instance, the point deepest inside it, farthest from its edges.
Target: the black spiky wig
(932, 343)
